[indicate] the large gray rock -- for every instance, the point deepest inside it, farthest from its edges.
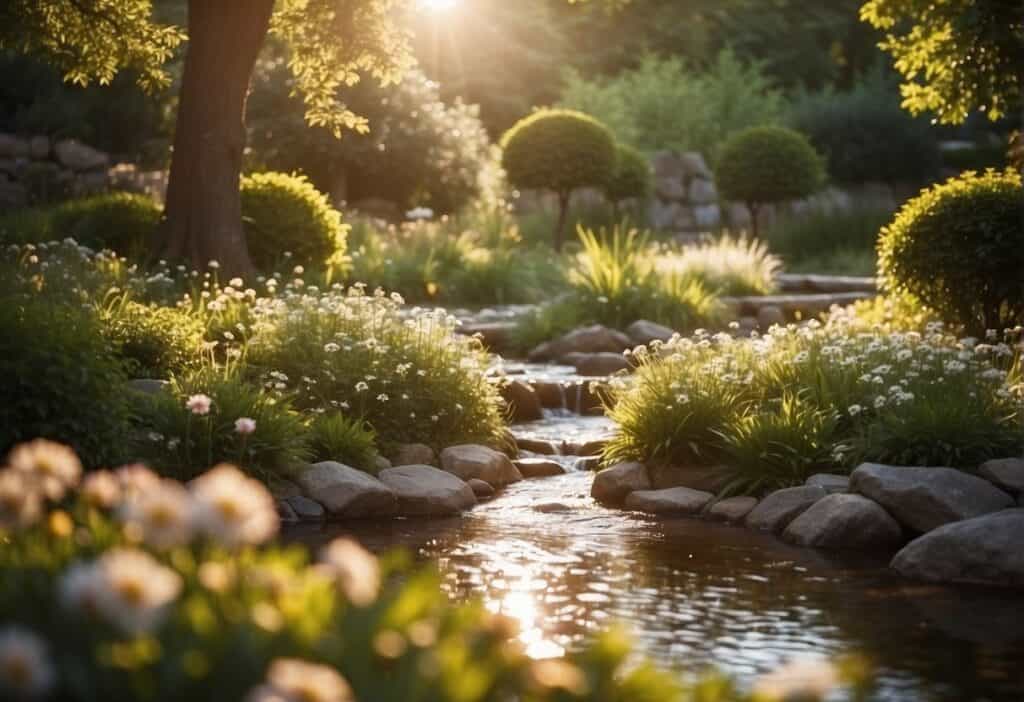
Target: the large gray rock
(694, 165)
(769, 315)
(669, 164)
(643, 331)
(346, 493)
(600, 364)
(777, 510)
(413, 455)
(480, 488)
(707, 217)
(832, 482)
(305, 509)
(731, 509)
(13, 147)
(475, 461)
(708, 478)
(925, 498)
(611, 485)
(1007, 473)
(845, 522)
(75, 155)
(424, 491)
(702, 192)
(538, 467)
(523, 401)
(985, 549)
(592, 339)
(679, 500)
(663, 215)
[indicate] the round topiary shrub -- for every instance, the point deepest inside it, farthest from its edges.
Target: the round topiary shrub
(122, 222)
(558, 150)
(154, 341)
(631, 177)
(958, 247)
(283, 212)
(764, 165)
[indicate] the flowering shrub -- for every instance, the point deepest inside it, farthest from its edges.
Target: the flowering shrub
(154, 341)
(775, 408)
(171, 593)
(408, 376)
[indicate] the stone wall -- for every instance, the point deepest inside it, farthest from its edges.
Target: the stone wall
(37, 169)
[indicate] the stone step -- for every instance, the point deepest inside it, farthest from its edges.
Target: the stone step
(814, 283)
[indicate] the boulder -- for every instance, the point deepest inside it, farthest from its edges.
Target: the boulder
(844, 521)
(679, 500)
(694, 165)
(769, 315)
(644, 332)
(13, 147)
(285, 513)
(592, 339)
(832, 482)
(731, 509)
(551, 507)
(702, 192)
(661, 214)
(612, 485)
(480, 488)
(523, 401)
(39, 147)
(708, 478)
(669, 164)
(538, 467)
(984, 549)
(75, 155)
(346, 492)
(587, 463)
(305, 509)
(707, 217)
(685, 219)
(777, 510)
(925, 498)
(670, 188)
(590, 448)
(540, 446)
(424, 491)
(1007, 473)
(550, 393)
(474, 461)
(282, 489)
(601, 364)
(413, 455)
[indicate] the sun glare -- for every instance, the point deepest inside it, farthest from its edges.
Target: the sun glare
(438, 5)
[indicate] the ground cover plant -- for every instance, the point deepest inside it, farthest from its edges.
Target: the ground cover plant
(776, 408)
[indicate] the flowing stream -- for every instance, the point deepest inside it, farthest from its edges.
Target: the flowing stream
(696, 593)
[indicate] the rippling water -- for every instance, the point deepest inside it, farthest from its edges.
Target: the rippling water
(697, 593)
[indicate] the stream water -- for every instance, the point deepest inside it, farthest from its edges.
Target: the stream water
(695, 593)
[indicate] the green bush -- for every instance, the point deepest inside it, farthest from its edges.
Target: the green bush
(285, 213)
(865, 136)
(335, 437)
(179, 441)
(560, 151)
(631, 177)
(764, 165)
(62, 380)
(122, 222)
(819, 241)
(155, 342)
(959, 248)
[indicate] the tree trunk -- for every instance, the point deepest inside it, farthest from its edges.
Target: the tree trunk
(563, 211)
(203, 212)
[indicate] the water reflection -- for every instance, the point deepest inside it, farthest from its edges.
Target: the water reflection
(696, 593)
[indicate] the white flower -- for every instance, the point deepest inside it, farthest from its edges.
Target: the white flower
(331, 347)
(199, 404)
(361, 386)
(354, 569)
(293, 680)
(50, 466)
(161, 516)
(854, 410)
(801, 679)
(245, 426)
(20, 504)
(419, 213)
(213, 264)
(101, 488)
(232, 508)
(383, 397)
(25, 668)
(128, 588)
(880, 402)
(235, 282)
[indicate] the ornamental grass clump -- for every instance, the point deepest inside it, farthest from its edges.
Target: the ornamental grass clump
(774, 409)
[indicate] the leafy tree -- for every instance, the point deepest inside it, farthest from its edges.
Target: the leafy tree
(955, 56)
(331, 44)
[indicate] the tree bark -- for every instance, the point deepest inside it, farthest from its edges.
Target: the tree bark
(203, 212)
(563, 211)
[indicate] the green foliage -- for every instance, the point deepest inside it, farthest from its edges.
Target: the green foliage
(154, 341)
(775, 409)
(727, 265)
(409, 377)
(822, 241)
(122, 222)
(62, 380)
(335, 437)
(767, 164)
(558, 150)
(631, 177)
(866, 137)
(664, 104)
(956, 56)
(285, 213)
(178, 441)
(959, 248)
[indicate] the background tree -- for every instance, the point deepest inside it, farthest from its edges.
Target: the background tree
(330, 44)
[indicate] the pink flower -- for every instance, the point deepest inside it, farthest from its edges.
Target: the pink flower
(199, 404)
(245, 426)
